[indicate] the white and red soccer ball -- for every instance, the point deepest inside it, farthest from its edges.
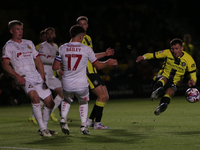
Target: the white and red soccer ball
(192, 95)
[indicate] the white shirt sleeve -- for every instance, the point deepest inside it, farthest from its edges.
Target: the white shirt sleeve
(35, 52)
(91, 54)
(7, 52)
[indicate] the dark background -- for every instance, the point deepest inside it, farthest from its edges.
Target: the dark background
(132, 28)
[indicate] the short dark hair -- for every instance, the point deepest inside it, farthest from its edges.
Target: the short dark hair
(82, 18)
(12, 23)
(49, 28)
(75, 30)
(187, 36)
(176, 41)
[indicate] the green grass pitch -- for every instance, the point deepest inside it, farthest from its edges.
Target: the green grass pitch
(133, 126)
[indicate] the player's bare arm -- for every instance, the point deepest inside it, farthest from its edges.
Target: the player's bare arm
(8, 68)
(56, 65)
(139, 58)
(108, 52)
(110, 62)
(40, 67)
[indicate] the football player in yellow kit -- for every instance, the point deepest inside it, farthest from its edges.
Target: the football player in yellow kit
(96, 84)
(177, 62)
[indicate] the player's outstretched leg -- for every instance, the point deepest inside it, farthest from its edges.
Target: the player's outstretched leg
(164, 102)
(155, 94)
(158, 89)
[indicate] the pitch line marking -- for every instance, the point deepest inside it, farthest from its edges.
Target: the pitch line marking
(22, 148)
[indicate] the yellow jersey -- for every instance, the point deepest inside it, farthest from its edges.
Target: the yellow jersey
(37, 46)
(188, 48)
(88, 41)
(174, 69)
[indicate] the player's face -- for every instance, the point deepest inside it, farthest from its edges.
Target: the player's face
(43, 37)
(83, 24)
(81, 37)
(176, 50)
(50, 35)
(17, 32)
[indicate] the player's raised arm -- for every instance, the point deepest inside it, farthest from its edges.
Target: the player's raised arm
(110, 62)
(108, 52)
(140, 58)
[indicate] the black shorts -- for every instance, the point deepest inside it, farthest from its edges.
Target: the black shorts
(169, 83)
(94, 80)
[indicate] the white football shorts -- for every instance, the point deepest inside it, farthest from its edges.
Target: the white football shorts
(82, 95)
(38, 87)
(53, 82)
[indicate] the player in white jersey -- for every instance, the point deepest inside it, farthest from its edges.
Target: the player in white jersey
(47, 52)
(21, 54)
(73, 58)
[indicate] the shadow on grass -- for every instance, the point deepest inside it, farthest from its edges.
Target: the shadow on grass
(109, 136)
(116, 136)
(185, 133)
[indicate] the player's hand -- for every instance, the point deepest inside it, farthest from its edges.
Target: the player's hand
(109, 52)
(139, 58)
(112, 62)
(60, 73)
(21, 80)
(44, 86)
(191, 83)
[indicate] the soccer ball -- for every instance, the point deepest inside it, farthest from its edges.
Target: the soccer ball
(192, 95)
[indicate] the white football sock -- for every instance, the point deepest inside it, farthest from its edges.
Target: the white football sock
(38, 115)
(57, 102)
(46, 115)
(83, 110)
(41, 105)
(64, 109)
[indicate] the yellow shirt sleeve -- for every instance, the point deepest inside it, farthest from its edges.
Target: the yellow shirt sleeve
(158, 54)
(192, 68)
(148, 56)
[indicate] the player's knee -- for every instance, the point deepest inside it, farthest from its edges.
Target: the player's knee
(68, 100)
(50, 104)
(82, 102)
(35, 99)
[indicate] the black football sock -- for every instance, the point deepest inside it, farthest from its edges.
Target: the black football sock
(99, 111)
(165, 99)
(157, 85)
(164, 102)
(93, 113)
